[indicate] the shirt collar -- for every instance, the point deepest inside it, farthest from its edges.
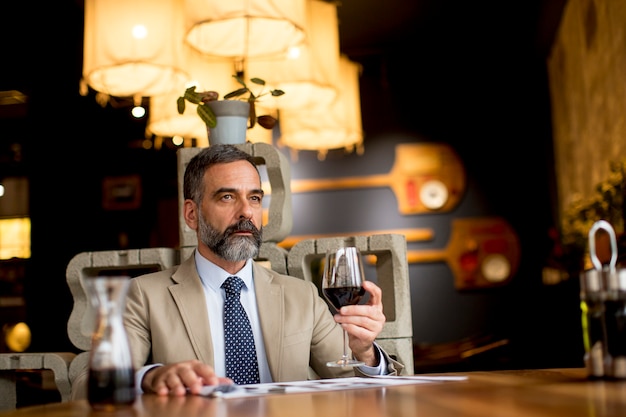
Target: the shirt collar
(213, 276)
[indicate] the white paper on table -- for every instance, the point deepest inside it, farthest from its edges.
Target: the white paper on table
(319, 385)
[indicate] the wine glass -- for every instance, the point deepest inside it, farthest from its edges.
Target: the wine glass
(341, 285)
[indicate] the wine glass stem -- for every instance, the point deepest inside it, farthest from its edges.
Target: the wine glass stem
(345, 346)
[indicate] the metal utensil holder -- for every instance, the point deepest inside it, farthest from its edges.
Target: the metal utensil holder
(603, 305)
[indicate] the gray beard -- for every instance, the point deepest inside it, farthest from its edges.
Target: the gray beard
(231, 248)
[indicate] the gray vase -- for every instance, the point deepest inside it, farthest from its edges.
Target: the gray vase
(232, 122)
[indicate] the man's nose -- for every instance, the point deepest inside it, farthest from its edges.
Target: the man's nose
(245, 210)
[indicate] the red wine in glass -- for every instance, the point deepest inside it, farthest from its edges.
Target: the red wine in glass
(341, 285)
(344, 296)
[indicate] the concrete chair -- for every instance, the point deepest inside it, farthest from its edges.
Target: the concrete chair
(11, 363)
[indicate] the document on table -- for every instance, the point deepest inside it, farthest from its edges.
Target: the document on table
(318, 385)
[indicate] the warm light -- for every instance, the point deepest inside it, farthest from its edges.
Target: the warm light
(321, 128)
(244, 29)
(138, 112)
(133, 46)
(140, 32)
(17, 336)
(293, 52)
(309, 72)
(155, 48)
(1, 190)
(15, 238)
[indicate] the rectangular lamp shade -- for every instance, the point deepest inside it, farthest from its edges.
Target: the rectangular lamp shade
(309, 72)
(242, 29)
(322, 128)
(133, 47)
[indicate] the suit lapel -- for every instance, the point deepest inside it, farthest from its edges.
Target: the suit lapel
(269, 298)
(189, 297)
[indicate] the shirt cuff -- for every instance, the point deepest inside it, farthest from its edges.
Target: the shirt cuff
(141, 373)
(381, 369)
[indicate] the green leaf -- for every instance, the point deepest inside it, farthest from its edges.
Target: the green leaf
(180, 103)
(257, 81)
(236, 93)
(192, 96)
(207, 115)
(277, 93)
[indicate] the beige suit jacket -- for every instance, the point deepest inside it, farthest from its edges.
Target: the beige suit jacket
(167, 321)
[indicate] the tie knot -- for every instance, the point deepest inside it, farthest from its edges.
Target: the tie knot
(232, 285)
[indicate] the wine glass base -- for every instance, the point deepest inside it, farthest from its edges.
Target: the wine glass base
(344, 363)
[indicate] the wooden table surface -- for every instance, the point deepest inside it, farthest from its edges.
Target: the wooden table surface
(537, 393)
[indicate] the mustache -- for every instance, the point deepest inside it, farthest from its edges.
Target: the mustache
(241, 226)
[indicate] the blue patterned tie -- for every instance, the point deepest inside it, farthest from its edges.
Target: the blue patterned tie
(241, 362)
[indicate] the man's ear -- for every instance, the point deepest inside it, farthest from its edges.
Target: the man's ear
(190, 213)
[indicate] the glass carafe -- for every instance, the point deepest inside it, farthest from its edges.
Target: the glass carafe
(111, 374)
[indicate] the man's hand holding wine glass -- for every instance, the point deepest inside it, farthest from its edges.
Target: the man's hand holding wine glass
(344, 285)
(363, 322)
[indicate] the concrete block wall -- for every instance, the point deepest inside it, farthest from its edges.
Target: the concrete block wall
(392, 275)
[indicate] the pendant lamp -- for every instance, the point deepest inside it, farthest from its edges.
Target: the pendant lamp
(242, 29)
(308, 72)
(322, 128)
(133, 47)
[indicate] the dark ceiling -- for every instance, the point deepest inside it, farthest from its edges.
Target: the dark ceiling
(372, 27)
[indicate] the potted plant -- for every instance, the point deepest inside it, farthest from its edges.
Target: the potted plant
(236, 105)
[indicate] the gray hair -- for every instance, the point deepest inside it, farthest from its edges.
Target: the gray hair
(193, 183)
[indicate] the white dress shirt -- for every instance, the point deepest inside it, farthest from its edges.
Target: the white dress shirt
(212, 279)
